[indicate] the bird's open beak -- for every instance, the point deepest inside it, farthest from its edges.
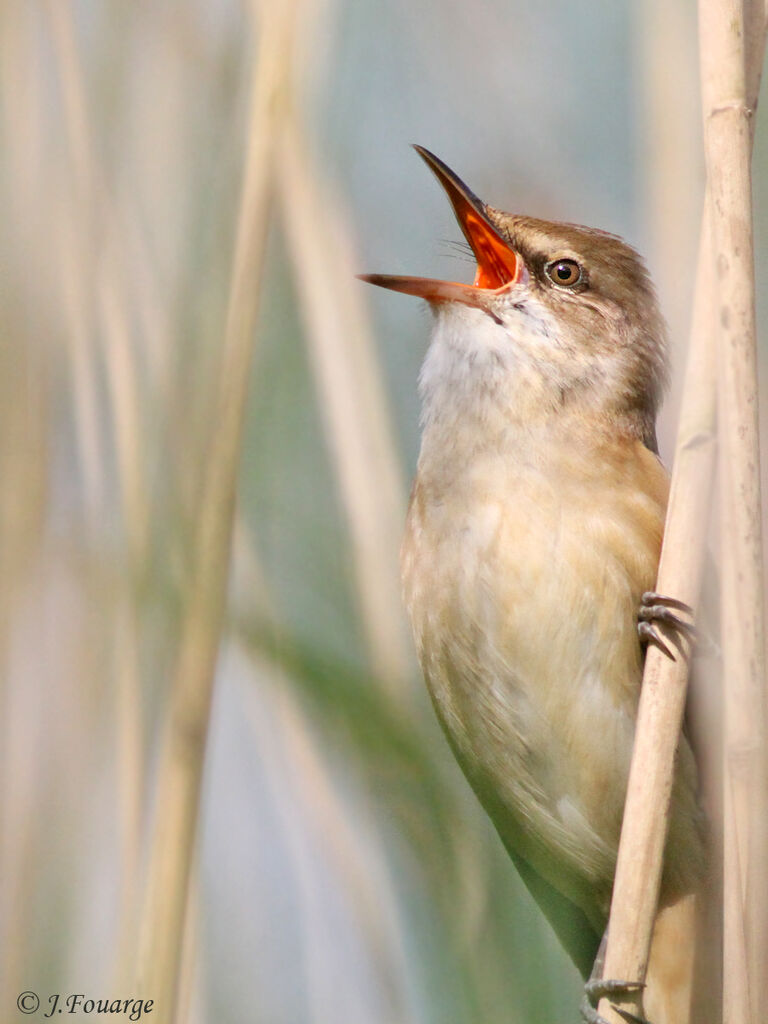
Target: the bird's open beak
(498, 265)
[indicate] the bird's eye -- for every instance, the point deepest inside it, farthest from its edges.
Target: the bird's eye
(564, 272)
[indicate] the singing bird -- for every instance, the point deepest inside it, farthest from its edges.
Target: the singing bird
(529, 559)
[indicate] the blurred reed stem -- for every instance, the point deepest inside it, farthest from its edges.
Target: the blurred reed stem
(183, 751)
(129, 744)
(668, 147)
(728, 142)
(99, 307)
(73, 253)
(192, 975)
(298, 775)
(756, 899)
(26, 372)
(351, 400)
(95, 229)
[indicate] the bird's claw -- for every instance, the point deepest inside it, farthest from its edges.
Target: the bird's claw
(650, 635)
(589, 1014)
(658, 608)
(652, 597)
(596, 989)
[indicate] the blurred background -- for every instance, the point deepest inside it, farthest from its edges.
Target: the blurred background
(343, 872)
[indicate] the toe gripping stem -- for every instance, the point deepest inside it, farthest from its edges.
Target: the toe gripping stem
(656, 608)
(596, 989)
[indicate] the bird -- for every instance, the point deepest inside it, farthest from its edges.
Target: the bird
(529, 561)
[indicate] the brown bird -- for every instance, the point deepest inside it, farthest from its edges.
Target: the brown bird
(531, 546)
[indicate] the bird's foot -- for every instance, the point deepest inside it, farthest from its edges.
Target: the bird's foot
(596, 989)
(656, 608)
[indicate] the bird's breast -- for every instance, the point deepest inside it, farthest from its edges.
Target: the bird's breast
(523, 574)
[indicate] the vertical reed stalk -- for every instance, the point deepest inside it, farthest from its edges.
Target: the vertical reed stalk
(663, 696)
(351, 397)
(176, 812)
(662, 699)
(727, 136)
(129, 744)
(98, 304)
(92, 206)
(26, 469)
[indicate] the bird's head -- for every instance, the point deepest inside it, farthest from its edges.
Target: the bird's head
(564, 313)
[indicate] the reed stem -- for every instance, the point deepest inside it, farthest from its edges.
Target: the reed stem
(726, 94)
(182, 758)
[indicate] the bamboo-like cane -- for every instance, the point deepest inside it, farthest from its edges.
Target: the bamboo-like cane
(728, 137)
(162, 924)
(662, 700)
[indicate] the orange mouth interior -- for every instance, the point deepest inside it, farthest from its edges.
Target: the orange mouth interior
(497, 264)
